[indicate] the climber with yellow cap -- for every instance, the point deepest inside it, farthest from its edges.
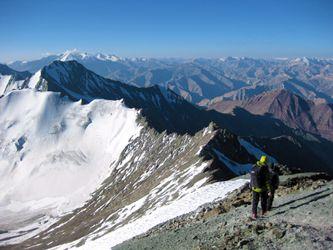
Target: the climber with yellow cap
(260, 185)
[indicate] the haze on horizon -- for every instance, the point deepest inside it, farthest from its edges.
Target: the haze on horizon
(186, 28)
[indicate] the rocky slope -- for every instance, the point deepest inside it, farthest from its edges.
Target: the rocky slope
(301, 219)
(291, 109)
(294, 86)
(292, 129)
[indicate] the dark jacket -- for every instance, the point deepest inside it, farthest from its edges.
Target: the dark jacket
(260, 178)
(274, 179)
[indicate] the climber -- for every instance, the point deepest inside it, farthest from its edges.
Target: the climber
(274, 183)
(260, 185)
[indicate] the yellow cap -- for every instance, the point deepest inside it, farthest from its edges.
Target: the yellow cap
(263, 159)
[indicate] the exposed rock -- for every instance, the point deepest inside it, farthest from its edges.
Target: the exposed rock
(278, 233)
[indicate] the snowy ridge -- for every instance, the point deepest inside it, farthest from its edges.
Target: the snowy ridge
(49, 141)
(164, 109)
(77, 55)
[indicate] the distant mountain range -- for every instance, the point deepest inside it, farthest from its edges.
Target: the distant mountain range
(201, 80)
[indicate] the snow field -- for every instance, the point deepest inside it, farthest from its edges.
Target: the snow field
(54, 152)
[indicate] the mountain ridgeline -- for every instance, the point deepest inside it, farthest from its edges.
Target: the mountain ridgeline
(201, 80)
(163, 110)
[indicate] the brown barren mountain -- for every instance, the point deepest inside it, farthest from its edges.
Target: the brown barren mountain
(291, 109)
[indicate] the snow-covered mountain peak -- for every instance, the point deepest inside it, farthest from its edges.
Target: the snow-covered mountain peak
(104, 57)
(301, 60)
(72, 55)
(83, 56)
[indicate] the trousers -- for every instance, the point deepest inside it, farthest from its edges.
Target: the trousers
(270, 200)
(255, 201)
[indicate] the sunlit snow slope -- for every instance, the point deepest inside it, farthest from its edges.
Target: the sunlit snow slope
(55, 152)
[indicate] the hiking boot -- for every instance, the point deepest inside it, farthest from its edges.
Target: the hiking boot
(254, 216)
(264, 213)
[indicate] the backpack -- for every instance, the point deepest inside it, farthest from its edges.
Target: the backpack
(259, 177)
(255, 177)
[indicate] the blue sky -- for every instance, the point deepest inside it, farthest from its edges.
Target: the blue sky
(168, 28)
